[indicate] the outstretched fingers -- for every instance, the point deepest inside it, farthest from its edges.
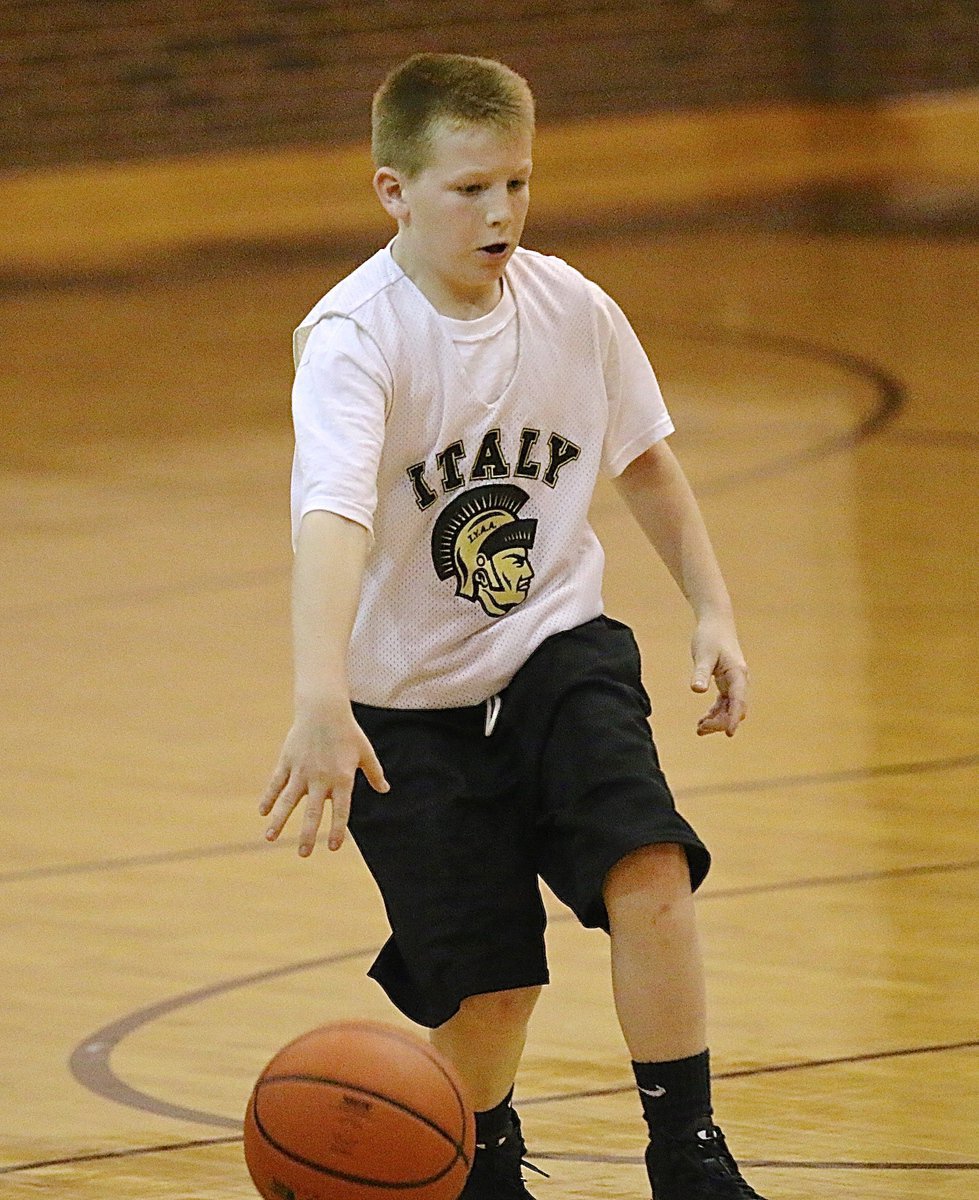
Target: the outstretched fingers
(279, 802)
(319, 767)
(342, 793)
(341, 815)
(281, 807)
(274, 788)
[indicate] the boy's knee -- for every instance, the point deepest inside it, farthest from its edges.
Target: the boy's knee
(660, 868)
(509, 1008)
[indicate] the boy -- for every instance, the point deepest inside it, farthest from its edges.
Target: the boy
(455, 400)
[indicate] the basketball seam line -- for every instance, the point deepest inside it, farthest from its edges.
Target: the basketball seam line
(404, 1039)
(460, 1153)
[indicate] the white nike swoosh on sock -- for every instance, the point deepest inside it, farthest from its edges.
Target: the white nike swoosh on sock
(655, 1092)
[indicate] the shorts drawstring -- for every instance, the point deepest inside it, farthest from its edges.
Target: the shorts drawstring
(493, 706)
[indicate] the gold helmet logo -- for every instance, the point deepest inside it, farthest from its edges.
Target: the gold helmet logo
(480, 539)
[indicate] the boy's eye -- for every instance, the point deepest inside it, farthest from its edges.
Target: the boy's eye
(474, 189)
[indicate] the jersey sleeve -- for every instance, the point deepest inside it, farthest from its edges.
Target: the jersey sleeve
(341, 393)
(637, 413)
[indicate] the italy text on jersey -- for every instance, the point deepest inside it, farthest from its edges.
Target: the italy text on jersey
(481, 539)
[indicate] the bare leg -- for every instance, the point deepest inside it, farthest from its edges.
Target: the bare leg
(657, 969)
(484, 1042)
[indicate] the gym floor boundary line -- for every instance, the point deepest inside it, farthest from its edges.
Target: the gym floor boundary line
(90, 1061)
(892, 395)
(544, 1156)
(563, 1156)
(891, 399)
(699, 791)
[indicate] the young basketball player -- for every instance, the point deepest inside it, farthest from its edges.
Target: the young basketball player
(456, 398)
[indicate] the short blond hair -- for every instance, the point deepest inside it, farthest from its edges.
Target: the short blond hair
(455, 88)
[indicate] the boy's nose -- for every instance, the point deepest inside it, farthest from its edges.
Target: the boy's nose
(498, 213)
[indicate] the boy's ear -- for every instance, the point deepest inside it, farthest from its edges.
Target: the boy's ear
(389, 185)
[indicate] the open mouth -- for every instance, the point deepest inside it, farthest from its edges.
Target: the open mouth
(495, 249)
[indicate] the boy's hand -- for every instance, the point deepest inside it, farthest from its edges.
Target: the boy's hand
(717, 655)
(319, 760)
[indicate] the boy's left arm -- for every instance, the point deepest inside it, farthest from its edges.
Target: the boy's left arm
(660, 498)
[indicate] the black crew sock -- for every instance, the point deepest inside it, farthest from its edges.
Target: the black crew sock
(674, 1094)
(494, 1124)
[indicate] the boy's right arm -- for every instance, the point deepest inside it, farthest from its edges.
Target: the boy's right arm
(325, 746)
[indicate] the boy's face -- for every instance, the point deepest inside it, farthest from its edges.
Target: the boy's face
(461, 217)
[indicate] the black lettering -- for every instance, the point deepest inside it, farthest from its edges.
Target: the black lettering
(526, 468)
(562, 452)
(424, 496)
(448, 464)
(489, 462)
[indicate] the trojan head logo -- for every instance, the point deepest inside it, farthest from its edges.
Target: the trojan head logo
(480, 539)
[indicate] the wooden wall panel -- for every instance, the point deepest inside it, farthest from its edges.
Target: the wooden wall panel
(123, 80)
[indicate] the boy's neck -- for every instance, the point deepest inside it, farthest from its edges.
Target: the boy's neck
(446, 301)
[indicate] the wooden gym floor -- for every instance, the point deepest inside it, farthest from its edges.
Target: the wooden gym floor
(820, 355)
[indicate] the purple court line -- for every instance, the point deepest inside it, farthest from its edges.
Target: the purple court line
(158, 859)
(129, 1152)
(556, 1155)
(754, 1164)
(817, 881)
(702, 791)
(926, 766)
(543, 1156)
(771, 1069)
(891, 398)
(90, 1061)
(91, 1066)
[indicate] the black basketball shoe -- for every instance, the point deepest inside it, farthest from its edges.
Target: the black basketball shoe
(695, 1165)
(496, 1173)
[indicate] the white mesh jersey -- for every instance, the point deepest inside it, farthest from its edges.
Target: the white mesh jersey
(477, 499)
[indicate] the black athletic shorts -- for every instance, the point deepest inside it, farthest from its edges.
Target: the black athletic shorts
(566, 784)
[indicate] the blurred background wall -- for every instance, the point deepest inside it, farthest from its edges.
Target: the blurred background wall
(111, 81)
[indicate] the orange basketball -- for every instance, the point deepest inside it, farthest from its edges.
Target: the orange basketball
(359, 1110)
